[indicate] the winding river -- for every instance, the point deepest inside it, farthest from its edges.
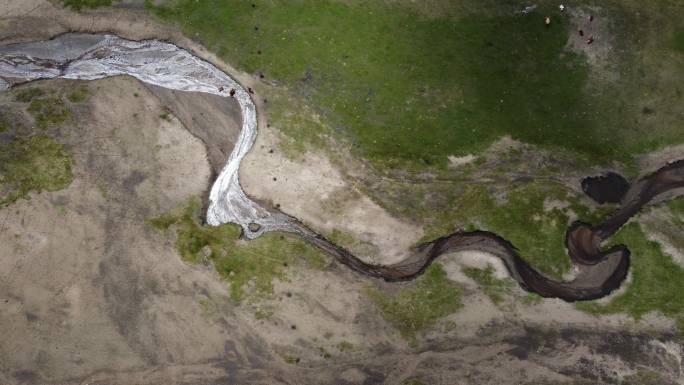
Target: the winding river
(90, 56)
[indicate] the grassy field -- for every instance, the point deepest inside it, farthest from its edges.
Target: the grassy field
(409, 88)
(408, 84)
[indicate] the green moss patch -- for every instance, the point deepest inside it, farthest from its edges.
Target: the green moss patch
(37, 163)
(495, 288)
(250, 267)
(419, 304)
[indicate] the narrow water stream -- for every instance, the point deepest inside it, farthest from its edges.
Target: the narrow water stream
(89, 57)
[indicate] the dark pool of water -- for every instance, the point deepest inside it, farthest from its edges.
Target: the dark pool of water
(607, 188)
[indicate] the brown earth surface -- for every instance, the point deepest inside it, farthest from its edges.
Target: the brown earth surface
(92, 295)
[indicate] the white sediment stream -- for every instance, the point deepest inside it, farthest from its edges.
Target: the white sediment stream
(89, 57)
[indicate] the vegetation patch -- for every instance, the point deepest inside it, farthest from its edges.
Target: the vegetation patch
(36, 163)
(5, 122)
(345, 346)
(85, 4)
(409, 89)
(657, 281)
(524, 213)
(165, 115)
(250, 267)
(420, 303)
(495, 288)
(79, 96)
(676, 206)
(292, 360)
(644, 377)
(49, 111)
(26, 95)
(673, 228)
(679, 40)
(302, 127)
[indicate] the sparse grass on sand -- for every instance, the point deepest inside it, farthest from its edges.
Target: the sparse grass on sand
(420, 303)
(495, 288)
(249, 267)
(47, 110)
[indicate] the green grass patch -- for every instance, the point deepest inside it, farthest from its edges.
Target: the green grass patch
(79, 96)
(163, 221)
(520, 215)
(86, 4)
(657, 281)
(674, 230)
(250, 267)
(301, 126)
(165, 115)
(495, 288)
(419, 304)
(677, 208)
(37, 163)
(292, 360)
(345, 346)
(407, 89)
(49, 111)
(208, 308)
(644, 377)
(263, 314)
(5, 123)
(26, 95)
(679, 40)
